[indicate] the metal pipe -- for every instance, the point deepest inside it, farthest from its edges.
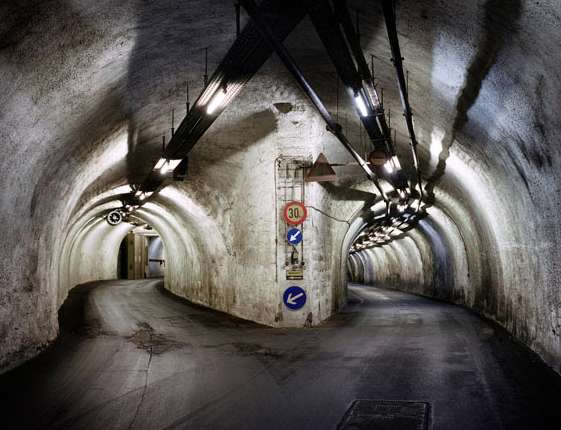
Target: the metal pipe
(187, 103)
(237, 6)
(353, 39)
(397, 60)
(205, 76)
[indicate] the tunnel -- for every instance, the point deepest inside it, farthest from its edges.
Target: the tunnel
(281, 214)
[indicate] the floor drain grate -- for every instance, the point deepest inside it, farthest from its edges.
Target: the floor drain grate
(386, 414)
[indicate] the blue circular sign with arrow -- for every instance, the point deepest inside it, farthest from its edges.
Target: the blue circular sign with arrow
(294, 298)
(294, 236)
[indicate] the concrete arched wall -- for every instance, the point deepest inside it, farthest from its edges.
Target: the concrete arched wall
(84, 107)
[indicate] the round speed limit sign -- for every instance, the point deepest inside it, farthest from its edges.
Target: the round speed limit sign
(295, 213)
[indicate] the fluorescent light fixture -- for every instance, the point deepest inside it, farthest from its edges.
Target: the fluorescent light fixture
(392, 164)
(361, 106)
(170, 165)
(389, 166)
(216, 101)
(160, 163)
(165, 167)
(174, 163)
(145, 195)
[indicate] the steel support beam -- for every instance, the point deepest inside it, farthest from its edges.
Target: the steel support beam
(330, 34)
(288, 61)
(397, 60)
(344, 18)
(245, 57)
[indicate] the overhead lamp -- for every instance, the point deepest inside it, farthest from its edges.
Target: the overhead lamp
(164, 165)
(160, 163)
(144, 195)
(361, 106)
(392, 164)
(216, 101)
(389, 166)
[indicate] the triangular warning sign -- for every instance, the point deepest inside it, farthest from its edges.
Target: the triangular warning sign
(321, 171)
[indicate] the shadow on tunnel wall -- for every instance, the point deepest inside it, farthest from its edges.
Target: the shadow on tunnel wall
(169, 52)
(499, 24)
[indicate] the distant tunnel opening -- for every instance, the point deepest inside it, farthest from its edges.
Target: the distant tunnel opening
(141, 255)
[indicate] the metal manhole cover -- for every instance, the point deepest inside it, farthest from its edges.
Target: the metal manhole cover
(386, 414)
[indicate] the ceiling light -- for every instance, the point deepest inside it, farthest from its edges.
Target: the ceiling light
(160, 163)
(392, 164)
(174, 163)
(216, 101)
(145, 195)
(389, 166)
(165, 167)
(361, 106)
(168, 165)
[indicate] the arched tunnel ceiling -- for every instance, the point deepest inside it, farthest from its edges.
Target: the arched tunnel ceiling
(88, 90)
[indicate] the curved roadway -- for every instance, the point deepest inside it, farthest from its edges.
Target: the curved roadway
(132, 356)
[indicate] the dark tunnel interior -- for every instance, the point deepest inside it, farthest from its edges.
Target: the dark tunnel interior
(347, 209)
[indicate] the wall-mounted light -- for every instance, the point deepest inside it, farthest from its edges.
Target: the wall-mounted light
(216, 101)
(361, 106)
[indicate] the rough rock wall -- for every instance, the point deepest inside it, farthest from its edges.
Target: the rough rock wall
(87, 92)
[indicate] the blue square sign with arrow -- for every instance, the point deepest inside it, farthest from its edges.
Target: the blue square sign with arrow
(294, 236)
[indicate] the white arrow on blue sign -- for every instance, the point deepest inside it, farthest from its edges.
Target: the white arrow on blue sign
(294, 297)
(294, 236)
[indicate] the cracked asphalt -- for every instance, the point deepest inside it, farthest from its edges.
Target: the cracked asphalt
(131, 356)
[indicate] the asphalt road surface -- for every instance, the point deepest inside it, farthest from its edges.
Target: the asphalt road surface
(131, 356)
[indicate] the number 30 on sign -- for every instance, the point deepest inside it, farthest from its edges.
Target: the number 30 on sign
(295, 213)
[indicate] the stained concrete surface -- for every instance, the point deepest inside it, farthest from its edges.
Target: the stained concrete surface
(132, 356)
(87, 93)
